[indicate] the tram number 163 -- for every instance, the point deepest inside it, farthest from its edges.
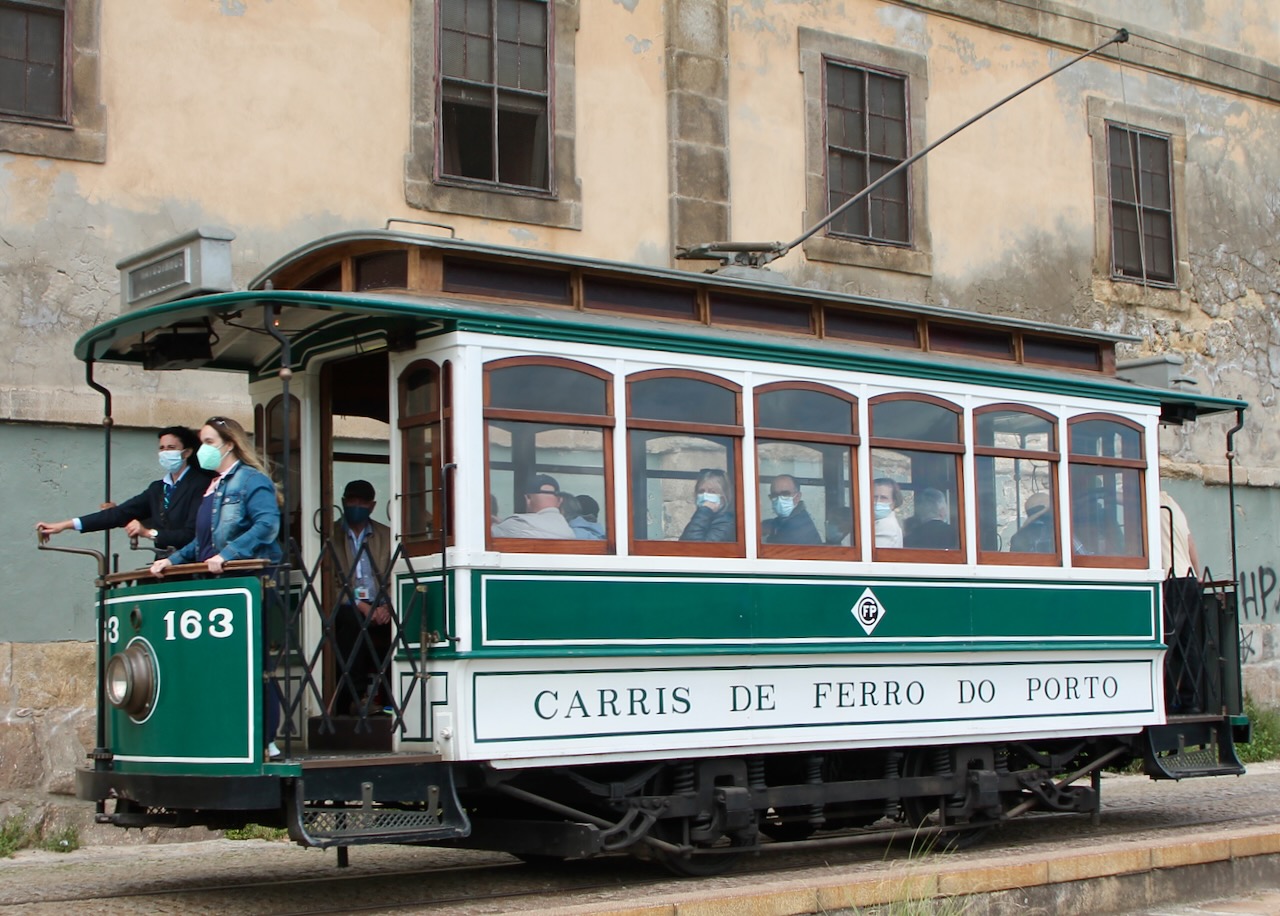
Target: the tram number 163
(190, 624)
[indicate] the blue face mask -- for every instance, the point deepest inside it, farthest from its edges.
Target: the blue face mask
(710, 500)
(171, 461)
(209, 456)
(356, 515)
(783, 505)
(883, 510)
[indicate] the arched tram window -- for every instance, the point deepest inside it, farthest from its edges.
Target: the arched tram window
(916, 447)
(684, 453)
(423, 416)
(1016, 465)
(806, 448)
(550, 418)
(1107, 467)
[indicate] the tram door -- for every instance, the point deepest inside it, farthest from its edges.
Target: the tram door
(355, 437)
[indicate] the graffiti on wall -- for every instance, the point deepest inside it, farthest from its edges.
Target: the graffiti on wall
(1260, 595)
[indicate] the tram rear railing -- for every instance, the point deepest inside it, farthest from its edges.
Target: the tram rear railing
(1202, 665)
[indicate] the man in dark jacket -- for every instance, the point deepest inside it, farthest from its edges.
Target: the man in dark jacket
(165, 512)
(791, 523)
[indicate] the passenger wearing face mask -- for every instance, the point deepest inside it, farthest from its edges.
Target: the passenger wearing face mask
(791, 523)
(713, 519)
(164, 513)
(886, 498)
(362, 553)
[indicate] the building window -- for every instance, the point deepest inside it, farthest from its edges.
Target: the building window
(549, 426)
(916, 452)
(493, 110)
(1107, 467)
(50, 84)
(867, 137)
(494, 98)
(1015, 461)
(864, 104)
(806, 447)
(684, 464)
(32, 40)
(1141, 192)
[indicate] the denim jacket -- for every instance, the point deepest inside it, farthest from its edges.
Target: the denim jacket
(246, 518)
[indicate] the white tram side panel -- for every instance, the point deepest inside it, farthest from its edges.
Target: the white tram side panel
(575, 701)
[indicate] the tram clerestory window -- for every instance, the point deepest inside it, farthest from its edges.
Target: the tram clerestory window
(684, 451)
(916, 451)
(1016, 466)
(494, 92)
(1107, 468)
(549, 428)
(806, 439)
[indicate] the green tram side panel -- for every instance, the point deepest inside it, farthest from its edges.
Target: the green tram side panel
(425, 595)
(609, 614)
(206, 638)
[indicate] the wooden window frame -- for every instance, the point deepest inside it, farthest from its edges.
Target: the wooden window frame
(851, 442)
(734, 432)
(605, 423)
(1053, 457)
(956, 449)
(1139, 207)
(440, 418)
(1139, 464)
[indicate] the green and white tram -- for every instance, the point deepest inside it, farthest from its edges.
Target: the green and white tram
(854, 633)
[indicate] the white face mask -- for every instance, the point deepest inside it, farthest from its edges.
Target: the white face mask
(710, 500)
(883, 510)
(171, 461)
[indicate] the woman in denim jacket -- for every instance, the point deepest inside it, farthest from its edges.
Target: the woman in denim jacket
(239, 517)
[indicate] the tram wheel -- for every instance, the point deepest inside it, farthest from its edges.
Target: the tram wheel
(922, 812)
(699, 865)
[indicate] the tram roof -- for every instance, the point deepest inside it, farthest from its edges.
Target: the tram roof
(235, 325)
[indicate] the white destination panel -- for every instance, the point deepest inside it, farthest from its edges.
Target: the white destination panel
(523, 706)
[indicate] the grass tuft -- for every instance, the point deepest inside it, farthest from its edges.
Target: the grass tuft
(256, 832)
(15, 834)
(63, 839)
(1266, 734)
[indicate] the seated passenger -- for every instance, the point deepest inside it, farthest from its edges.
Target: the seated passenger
(931, 531)
(583, 527)
(1036, 534)
(166, 511)
(541, 518)
(792, 524)
(713, 519)
(886, 498)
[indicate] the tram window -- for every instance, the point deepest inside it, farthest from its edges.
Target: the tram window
(1016, 463)
(549, 429)
(684, 460)
(916, 448)
(382, 270)
(805, 456)
(423, 410)
(1107, 466)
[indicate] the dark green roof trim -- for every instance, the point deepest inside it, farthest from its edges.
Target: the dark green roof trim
(539, 324)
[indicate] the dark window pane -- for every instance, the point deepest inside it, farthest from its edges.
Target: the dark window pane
(468, 141)
(735, 310)
(421, 392)
(522, 156)
(1061, 352)
(44, 39)
(13, 88)
(13, 34)
(903, 332)
(329, 280)
(553, 389)
(483, 277)
(800, 409)
(383, 270)
(951, 338)
(1149, 201)
(918, 420)
(683, 399)
(620, 296)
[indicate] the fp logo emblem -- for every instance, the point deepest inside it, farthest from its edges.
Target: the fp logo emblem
(869, 611)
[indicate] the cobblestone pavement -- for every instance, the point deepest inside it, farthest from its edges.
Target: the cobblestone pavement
(1196, 824)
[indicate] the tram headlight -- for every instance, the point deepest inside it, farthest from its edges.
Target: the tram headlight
(130, 679)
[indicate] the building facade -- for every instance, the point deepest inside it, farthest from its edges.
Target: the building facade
(1137, 192)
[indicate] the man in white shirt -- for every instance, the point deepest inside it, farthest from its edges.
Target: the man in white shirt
(542, 517)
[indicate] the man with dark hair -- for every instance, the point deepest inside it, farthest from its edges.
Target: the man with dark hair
(362, 624)
(164, 512)
(542, 517)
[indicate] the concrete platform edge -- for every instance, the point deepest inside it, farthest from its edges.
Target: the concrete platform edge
(1109, 878)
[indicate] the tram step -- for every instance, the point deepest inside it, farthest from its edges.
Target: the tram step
(350, 733)
(1181, 750)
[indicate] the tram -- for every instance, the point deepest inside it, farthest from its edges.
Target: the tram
(854, 638)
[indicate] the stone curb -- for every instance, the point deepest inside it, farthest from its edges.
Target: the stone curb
(925, 879)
